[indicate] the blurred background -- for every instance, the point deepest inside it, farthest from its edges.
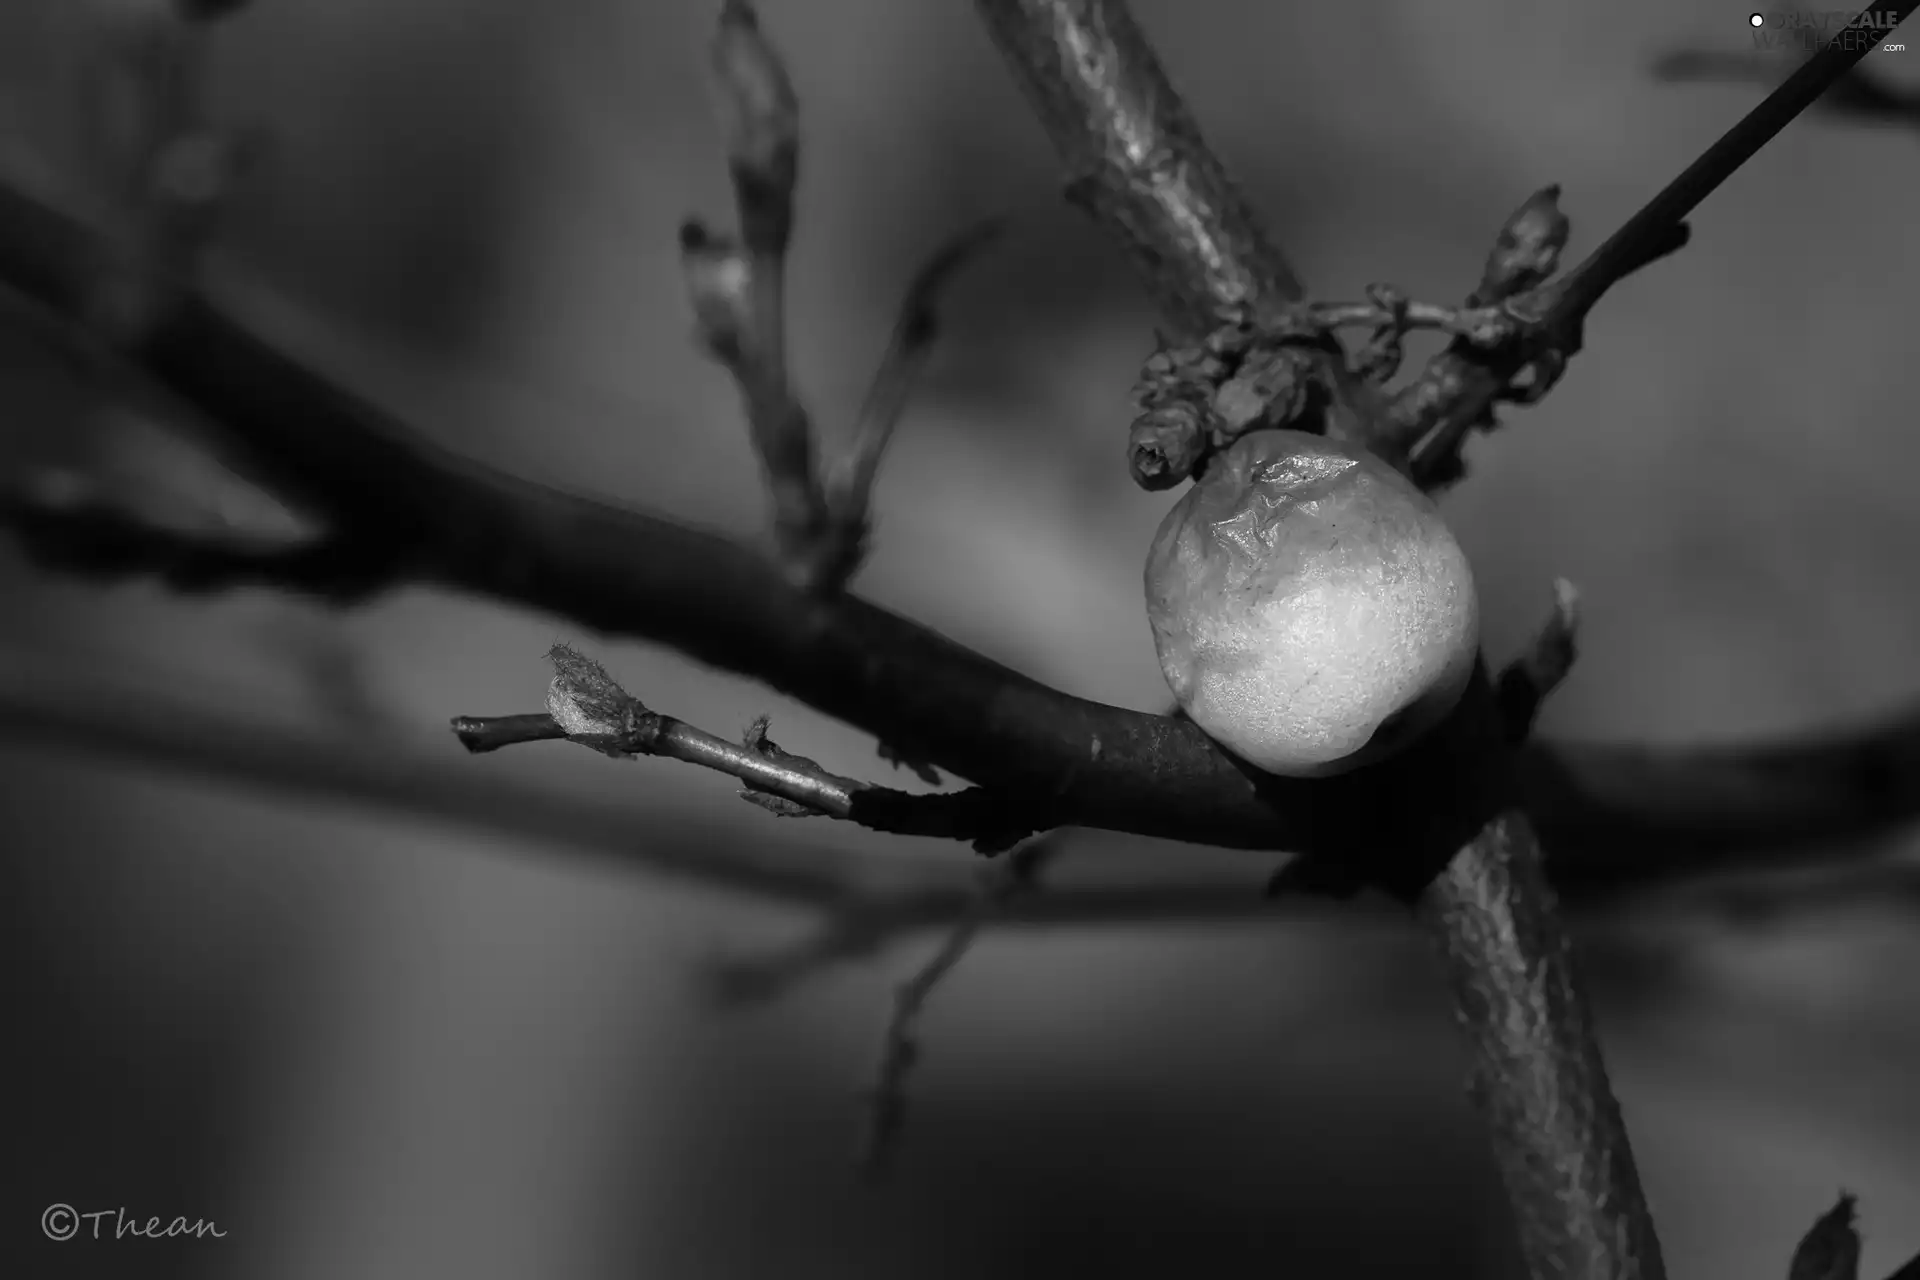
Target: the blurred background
(481, 1035)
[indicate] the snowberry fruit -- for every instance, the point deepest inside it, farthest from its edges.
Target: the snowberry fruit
(1312, 611)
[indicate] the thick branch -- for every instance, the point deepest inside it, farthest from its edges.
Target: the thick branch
(1618, 814)
(1537, 1070)
(1134, 158)
(211, 733)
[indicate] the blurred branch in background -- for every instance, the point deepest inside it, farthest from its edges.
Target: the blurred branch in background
(401, 512)
(219, 735)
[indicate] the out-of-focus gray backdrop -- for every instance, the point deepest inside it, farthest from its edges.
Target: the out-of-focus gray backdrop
(372, 1046)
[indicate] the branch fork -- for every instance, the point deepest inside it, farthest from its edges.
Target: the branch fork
(737, 287)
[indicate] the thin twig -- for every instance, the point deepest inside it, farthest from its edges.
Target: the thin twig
(850, 485)
(586, 706)
(1858, 94)
(1652, 225)
(1451, 397)
(900, 1046)
(760, 123)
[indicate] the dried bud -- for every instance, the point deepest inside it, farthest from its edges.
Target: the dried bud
(1270, 390)
(719, 279)
(1166, 444)
(1528, 249)
(760, 124)
(583, 699)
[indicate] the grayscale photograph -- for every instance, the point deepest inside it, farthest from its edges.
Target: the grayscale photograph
(959, 640)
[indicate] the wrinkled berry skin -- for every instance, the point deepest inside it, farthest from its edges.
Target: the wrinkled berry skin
(1312, 611)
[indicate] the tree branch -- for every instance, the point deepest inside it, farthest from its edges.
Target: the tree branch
(850, 483)
(210, 733)
(1450, 399)
(998, 885)
(1537, 1071)
(1135, 161)
(586, 706)
(1618, 815)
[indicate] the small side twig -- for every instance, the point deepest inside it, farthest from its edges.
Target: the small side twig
(586, 706)
(738, 287)
(850, 483)
(1527, 681)
(900, 1049)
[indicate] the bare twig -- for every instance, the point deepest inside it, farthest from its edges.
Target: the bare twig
(1527, 681)
(1831, 1248)
(1451, 399)
(1502, 325)
(1537, 1071)
(739, 291)
(1857, 94)
(850, 484)
(586, 706)
(900, 1046)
